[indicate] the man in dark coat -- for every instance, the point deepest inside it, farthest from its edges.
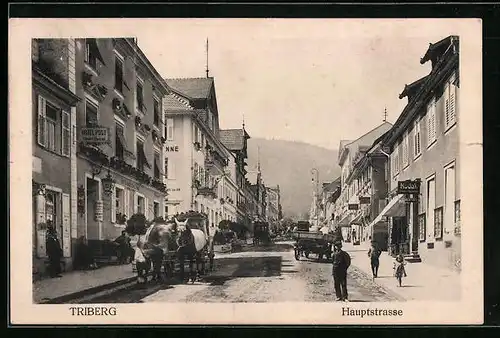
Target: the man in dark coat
(374, 254)
(341, 262)
(54, 251)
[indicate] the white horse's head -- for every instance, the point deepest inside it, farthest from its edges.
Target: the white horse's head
(182, 226)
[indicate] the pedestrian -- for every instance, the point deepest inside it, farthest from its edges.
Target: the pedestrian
(124, 247)
(53, 250)
(374, 254)
(341, 262)
(399, 268)
(141, 263)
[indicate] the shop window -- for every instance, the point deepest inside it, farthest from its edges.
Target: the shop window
(438, 223)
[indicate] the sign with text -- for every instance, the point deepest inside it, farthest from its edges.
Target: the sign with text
(172, 149)
(409, 187)
(353, 207)
(99, 210)
(364, 200)
(94, 135)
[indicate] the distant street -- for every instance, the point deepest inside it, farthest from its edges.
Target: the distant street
(258, 274)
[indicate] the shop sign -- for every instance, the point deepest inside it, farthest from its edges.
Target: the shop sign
(409, 187)
(95, 135)
(173, 189)
(172, 149)
(353, 207)
(99, 210)
(364, 200)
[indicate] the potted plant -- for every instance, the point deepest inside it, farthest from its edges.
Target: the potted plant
(137, 225)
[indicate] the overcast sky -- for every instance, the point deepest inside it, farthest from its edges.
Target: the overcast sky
(316, 81)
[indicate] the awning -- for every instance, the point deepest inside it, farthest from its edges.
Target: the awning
(396, 207)
(344, 221)
(356, 219)
(123, 142)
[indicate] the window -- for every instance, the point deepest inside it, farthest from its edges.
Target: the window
(438, 223)
(119, 204)
(195, 173)
(431, 123)
(449, 103)
(421, 227)
(196, 133)
(91, 116)
(157, 165)
(141, 156)
(395, 164)
(139, 96)
(417, 147)
(156, 209)
(119, 141)
(170, 129)
(406, 154)
(166, 211)
(118, 74)
(457, 218)
(53, 127)
(156, 111)
(90, 53)
(141, 205)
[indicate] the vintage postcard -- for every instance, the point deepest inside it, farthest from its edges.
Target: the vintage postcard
(245, 171)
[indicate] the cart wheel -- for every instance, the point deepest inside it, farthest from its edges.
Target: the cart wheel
(297, 255)
(306, 254)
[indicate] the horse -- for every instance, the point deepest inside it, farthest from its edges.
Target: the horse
(191, 243)
(158, 240)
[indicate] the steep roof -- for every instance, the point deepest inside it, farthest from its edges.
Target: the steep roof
(436, 49)
(175, 102)
(413, 87)
(194, 88)
(232, 139)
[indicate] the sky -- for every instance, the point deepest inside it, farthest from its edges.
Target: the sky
(315, 81)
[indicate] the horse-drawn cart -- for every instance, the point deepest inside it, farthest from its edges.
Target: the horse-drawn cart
(313, 242)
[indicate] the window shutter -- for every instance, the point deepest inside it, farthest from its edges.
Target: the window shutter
(66, 230)
(113, 205)
(433, 121)
(126, 204)
(65, 132)
(136, 197)
(146, 208)
(453, 91)
(41, 132)
(447, 106)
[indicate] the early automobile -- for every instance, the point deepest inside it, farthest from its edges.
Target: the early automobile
(307, 242)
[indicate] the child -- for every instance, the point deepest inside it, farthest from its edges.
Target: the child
(399, 268)
(141, 263)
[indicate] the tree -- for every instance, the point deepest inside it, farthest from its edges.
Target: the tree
(137, 225)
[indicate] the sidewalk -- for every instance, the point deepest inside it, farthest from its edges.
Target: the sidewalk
(424, 281)
(78, 281)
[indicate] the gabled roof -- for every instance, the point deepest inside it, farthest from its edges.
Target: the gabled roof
(233, 139)
(194, 88)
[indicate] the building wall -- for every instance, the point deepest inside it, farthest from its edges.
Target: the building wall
(433, 161)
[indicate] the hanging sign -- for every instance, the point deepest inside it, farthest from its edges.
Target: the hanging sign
(364, 200)
(94, 135)
(409, 187)
(99, 210)
(66, 226)
(353, 207)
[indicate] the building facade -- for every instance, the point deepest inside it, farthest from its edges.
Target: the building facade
(54, 102)
(273, 206)
(120, 137)
(330, 191)
(196, 162)
(347, 203)
(424, 146)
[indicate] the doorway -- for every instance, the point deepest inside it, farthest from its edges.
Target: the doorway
(93, 195)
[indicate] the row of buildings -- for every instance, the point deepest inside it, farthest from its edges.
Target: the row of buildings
(112, 137)
(399, 183)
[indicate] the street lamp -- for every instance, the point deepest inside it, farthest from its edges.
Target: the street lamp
(315, 171)
(108, 184)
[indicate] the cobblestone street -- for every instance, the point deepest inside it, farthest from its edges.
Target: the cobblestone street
(265, 274)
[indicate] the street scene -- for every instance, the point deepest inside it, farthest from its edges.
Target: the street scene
(236, 174)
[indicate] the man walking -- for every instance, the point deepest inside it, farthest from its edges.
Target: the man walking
(341, 262)
(374, 254)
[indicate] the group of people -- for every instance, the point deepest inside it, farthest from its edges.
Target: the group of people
(342, 261)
